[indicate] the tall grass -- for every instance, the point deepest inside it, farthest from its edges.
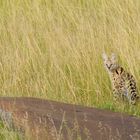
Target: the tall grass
(52, 48)
(7, 134)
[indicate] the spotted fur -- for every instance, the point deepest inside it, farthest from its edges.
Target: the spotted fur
(123, 83)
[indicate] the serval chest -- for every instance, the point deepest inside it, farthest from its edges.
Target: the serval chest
(119, 83)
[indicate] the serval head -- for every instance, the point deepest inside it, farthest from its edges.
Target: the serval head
(111, 63)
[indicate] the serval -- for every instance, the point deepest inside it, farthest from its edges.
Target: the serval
(123, 83)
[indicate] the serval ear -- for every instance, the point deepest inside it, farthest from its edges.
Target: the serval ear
(114, 57)
(104, 56)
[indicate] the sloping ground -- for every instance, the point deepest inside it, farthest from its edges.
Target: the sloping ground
(48, 120)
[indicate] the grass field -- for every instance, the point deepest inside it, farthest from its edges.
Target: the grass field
(52, 49)
(6, 134)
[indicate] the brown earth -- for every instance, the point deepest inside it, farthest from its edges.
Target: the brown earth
(40, 119)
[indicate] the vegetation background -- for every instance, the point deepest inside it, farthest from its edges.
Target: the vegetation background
(52, 49)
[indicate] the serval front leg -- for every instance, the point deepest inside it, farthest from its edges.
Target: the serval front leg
(115, 95)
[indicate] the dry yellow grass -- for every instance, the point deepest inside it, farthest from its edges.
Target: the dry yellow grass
(52, 48)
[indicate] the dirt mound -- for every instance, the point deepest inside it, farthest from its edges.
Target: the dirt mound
(43, 119)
